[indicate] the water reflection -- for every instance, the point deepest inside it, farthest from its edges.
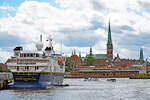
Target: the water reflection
(122, 89)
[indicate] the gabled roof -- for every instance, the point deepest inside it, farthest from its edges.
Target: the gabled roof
(99, 56)
(75, 57)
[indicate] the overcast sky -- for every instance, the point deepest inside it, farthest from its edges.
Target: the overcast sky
(79, 24)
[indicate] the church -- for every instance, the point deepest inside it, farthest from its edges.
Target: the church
(106, 60)
(102, 60)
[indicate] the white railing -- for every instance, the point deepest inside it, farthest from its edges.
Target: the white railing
(37, 64)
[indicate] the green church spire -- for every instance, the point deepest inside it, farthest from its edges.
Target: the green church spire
(90, 51)
(141, 54)
(109, 41)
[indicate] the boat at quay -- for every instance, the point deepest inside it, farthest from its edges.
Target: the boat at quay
(37, 69)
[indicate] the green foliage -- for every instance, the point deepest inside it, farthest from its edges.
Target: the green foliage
(144, 75)
(8, 70)
(1, 70)
(68, 64)
(109, 60)
(68, 61)
(90, 61)
(3, 67)
(67, 69)
(142, 61)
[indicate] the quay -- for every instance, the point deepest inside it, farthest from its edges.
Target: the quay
(102, 73)
(136, 77)
(5, 79)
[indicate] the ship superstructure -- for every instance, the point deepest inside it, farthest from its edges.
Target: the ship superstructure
(37, 69)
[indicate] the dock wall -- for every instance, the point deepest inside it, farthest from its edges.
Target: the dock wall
(5, 79)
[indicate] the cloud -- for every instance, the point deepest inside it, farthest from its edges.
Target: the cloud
(80, 24)
(98, 5)
(9, 40)
(145, 4)
(4, 55)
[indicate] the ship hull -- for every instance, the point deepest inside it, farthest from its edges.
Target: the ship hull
(37, 79)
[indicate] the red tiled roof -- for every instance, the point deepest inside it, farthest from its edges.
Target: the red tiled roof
(148, 67)
(75, 57)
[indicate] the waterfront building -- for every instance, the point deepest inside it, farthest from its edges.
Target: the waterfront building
(104, 72)
(107, 60)
(106, 64)
(119, 63)
(76, 61)
(102, 60)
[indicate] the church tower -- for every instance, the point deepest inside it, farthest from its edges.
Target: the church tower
(109, 44)
(141, 54)
(90, 51)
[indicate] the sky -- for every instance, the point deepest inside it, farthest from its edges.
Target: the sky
(76, 25)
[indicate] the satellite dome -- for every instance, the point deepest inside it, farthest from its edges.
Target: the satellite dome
(39, 46)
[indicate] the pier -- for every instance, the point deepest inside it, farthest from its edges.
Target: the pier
(5, 79)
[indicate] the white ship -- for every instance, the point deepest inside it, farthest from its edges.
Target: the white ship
(37, 69)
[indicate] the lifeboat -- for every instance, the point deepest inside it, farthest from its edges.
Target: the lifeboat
(60, 61)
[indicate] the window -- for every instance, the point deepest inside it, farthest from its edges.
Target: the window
(31, 54)
(25, 55)
(37, 55)
(36, 67)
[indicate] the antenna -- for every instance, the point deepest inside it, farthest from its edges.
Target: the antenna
(41, 38)
(61, 46)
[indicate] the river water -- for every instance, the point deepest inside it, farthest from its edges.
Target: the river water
(122, 89)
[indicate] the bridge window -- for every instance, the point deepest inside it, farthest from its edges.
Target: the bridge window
(25, 55)
(28, 55)
(17, 68)
(31, 54)
(37, 55)
(27, 68)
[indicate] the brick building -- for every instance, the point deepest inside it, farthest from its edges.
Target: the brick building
(119, 63)
(102, 60)
(114, 66)
(107, 60)
(104, 73)
(76, 61)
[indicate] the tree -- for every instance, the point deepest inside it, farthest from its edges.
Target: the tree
(1, 70)
(109, 60)
(89, 61)
(3, 67)
(68, 64)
